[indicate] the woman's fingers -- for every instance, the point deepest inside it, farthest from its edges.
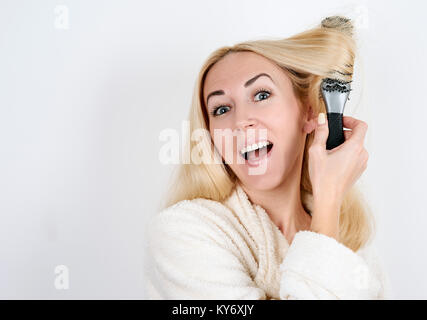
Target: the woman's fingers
(358, 128)
(349, 122)
(347, 134)
(321, 132)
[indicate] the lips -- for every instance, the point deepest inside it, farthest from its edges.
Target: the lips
(253, 150)
(252, 144)
(255, 158)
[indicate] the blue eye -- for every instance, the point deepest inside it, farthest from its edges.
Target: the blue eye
(262, 91)
(219, 108)
(214, 111)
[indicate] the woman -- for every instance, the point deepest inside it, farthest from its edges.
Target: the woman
(298, 228)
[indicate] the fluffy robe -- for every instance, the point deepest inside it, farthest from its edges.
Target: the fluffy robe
(204, 249)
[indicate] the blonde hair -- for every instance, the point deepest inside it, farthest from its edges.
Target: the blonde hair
(327, 50)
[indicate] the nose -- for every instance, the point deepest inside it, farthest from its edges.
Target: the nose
(244, 121)
(243, 125)
(246, 125)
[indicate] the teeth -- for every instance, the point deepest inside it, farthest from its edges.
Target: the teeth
(255, 146)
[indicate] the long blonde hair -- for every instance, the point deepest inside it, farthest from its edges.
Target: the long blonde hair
(324, 51)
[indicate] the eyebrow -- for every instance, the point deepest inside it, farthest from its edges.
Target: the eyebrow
(248, 83)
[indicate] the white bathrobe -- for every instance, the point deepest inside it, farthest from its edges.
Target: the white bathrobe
(204, 249)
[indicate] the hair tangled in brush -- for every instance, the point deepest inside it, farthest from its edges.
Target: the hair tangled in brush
(342, 24)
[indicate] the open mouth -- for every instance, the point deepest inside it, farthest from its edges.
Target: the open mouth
(256, 154)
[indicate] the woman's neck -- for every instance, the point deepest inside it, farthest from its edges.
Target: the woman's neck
(283, 204)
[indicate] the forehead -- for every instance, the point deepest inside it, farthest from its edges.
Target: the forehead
(236, 68)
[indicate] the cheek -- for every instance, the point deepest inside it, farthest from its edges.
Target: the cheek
(285, 122)
(224, 141)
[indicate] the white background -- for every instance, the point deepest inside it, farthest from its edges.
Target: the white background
(81, 110)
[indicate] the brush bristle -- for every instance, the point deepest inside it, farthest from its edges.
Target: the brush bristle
(330, 85)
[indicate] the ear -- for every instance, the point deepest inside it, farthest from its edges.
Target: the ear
(309, 120)
(310, 113)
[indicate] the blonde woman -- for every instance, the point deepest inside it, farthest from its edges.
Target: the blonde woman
(299, 229)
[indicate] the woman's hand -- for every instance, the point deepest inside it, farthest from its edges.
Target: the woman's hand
(333, 172)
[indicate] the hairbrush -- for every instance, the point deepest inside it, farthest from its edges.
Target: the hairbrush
(335, 94)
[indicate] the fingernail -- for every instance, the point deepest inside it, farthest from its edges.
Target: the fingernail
(321, 118)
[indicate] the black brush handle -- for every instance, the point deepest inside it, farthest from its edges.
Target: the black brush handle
(336, 133)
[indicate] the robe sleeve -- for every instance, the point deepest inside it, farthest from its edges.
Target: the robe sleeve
(319, 267)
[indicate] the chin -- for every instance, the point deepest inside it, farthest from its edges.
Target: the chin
(266, 181)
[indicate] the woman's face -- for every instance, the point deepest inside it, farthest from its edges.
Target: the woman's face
(264, 108)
